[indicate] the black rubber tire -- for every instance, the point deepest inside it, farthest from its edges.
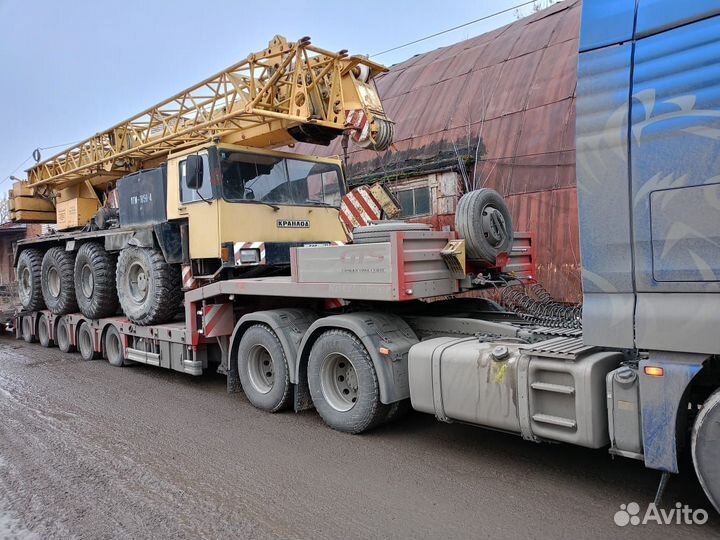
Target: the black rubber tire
(43, 331)
(163, 286)
(26, 329)
(62, 336)
(99, 299)
(705, 450)
(380, 232)
(484, 238)
(29, 276)
(113, 347)
(272, 397)
(85, 342)
(367, 411)
(62, 262)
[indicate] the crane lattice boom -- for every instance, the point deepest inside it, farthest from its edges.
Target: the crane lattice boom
(289, 91)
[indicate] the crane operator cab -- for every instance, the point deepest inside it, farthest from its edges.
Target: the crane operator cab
(245, 208)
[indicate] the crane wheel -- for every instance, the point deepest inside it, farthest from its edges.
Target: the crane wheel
(58, 281)
(95, 281)
(343, 383)
(483, 220)
(263, 369)
(149, 289)
(29, 275)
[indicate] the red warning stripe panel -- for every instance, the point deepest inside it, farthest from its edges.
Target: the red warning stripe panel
(359, 208)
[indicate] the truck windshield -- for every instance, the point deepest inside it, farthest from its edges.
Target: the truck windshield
(270, 179)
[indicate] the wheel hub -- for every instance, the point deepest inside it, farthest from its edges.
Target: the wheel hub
(25, 283)
(339, 382)
(137, 277)
(87, 281)
(260, 369)
(53, 281)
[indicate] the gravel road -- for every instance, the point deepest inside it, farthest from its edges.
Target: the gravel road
(92, 451)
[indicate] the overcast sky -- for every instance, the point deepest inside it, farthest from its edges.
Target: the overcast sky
(69, 69)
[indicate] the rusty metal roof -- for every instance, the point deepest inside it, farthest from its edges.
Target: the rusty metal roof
(512, 91)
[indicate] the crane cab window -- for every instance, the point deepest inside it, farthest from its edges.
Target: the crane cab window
(278, 180)
(205, 192)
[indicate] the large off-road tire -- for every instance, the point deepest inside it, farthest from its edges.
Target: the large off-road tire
(62, 336)
(114, 347)
(483, 220)
(343, 383)
(95, 281)
(85, 344)
(149, 289)
(705, 448)
(263, 369)
(29, 276)
(43, 331)
(58, 281)
(26, 329)
(380, 232)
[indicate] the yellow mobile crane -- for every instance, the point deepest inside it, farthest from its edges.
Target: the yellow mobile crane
(191, 189)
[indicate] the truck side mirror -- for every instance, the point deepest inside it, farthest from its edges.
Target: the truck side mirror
(194, 172)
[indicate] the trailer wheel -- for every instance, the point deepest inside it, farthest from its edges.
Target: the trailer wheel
(114, 347)
(58, 281)
(263, 369)
(343, 383)
(95, 281)
(43, 331)
(85, 339)
(705, 448)
(27, 329)
(62, 336)
(29, 275)
(149, 289)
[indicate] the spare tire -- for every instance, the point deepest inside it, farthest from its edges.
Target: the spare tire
(483, 220)
(380, 232)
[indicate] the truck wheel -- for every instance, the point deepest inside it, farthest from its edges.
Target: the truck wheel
(343, 383)
(58, 281)
(95, 281)
(483, 220)
(149, 289)
(85, 342)
(43, 331)
(27, 329)
(29, 275)
(62, 335)
(114, 347)
(705, 448)
(263, 369)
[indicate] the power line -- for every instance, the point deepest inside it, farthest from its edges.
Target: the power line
(454, 28)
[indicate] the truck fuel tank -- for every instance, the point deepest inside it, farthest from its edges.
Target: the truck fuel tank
(514, 387)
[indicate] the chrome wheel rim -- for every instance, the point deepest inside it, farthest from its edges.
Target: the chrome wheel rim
(87, 281)
(53, 281)
(260, 369)
(338, 382)
(138, 283)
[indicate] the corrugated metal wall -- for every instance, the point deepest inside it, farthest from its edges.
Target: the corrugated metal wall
(512, 92)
